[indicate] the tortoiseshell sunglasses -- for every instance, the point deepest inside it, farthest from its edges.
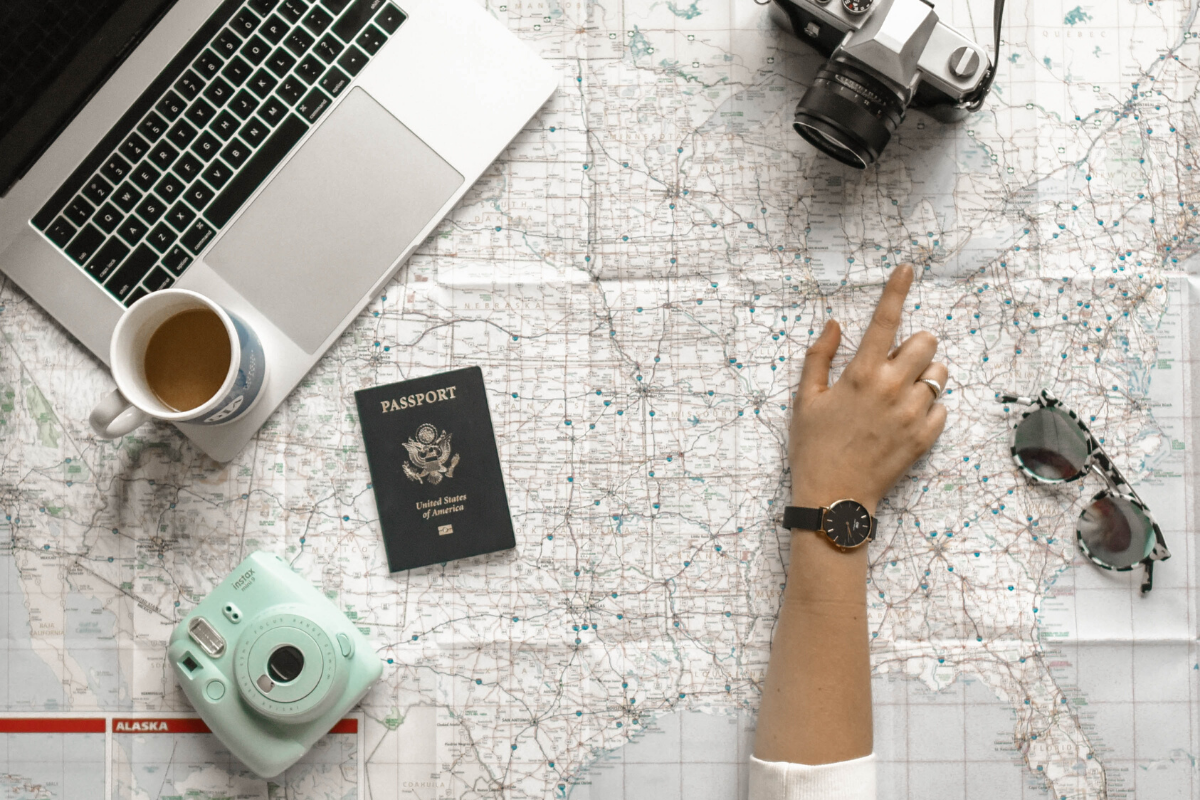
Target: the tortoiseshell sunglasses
(1115, 531)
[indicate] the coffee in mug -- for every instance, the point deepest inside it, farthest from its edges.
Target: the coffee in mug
(180, 357)
(187, 359)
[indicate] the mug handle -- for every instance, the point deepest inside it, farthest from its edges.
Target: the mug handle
(116, 416)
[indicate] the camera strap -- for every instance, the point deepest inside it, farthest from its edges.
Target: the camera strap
(975, 101)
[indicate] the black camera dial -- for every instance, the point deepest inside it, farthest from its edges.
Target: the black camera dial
(857, 6)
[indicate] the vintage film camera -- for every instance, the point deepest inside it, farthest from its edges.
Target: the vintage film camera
(884, 56)
(270, 664)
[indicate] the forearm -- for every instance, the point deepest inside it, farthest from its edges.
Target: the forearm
(816, 703)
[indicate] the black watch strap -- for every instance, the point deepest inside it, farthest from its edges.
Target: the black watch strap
(806, 519)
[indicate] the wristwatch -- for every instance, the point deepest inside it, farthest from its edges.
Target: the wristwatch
(846, 523)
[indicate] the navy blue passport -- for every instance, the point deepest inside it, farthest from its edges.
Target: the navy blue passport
(435, 470)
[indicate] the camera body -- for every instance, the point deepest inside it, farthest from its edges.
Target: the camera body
(270, 664)
(884, 56)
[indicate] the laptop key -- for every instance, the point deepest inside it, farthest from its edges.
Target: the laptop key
(127, 198)
(208, 64)
(226, 125)
(152, 127)
(236, 154)
(189, 85)
(200, 113)
(313, 104)
(218, 92)
(334, 81)
(256, 170)
(358, 15)
(274, 29)
(177, 260)
(108, 218)
(134, 147)
(206, 146)
(134, 296)
(317, 20)
(188, 167)
(281, 62)
(217, 175)
(169, 188)
(158, 279)
(237, 70)
(293, 10)
(162, 237)
(107, 259)
(198, 194)
(371, 40)
(115, 169)
(180, 216)
(335, 6)
(151, 209)
(254, 131)
(244, 104)
(329, 48)
(182, 134)
(85, 243)
(391, 18)
(163, 155)
(310, 69)
(226, 43)
(353, 61)
(132, 230)
(272, 111)
(299, 42)
(263, 82)
(131, 272)
(245, 22)
(290, 90)
(263, 7)
(61, 232)
(255, 50)
(171, 106)
(97, 190)
(79, 211)
(197, 236)
(144, 175)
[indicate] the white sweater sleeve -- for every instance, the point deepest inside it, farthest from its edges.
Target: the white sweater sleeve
(845, 780)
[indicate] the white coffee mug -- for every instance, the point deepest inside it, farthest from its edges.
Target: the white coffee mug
(134, 402)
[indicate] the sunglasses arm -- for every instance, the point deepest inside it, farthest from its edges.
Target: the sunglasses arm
(1013, 398)
(1148, 578)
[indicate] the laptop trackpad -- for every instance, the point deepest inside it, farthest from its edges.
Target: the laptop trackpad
(333, 220)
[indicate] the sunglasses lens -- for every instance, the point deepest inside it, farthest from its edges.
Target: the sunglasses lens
(1051, 445)
(1116, 532)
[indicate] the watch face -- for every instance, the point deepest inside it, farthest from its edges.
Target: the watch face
(847, 524)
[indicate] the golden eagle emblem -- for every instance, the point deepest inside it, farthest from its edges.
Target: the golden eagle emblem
(429, 453)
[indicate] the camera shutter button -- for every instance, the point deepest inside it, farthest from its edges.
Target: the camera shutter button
(346, 645)
(215, 690)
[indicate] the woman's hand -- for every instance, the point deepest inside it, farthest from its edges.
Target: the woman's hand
(853, 440)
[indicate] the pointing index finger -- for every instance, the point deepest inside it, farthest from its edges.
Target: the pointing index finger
(881, 333)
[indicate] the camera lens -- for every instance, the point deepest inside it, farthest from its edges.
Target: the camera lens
(849, 114)
(285, 664)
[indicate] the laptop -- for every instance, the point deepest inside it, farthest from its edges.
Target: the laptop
(282, 157)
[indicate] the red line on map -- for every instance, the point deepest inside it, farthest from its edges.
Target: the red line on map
(50, 725)
(345, 726)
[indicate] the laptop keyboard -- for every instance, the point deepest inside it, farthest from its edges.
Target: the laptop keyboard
(212, 126)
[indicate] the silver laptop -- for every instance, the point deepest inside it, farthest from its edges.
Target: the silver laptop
(283, 157)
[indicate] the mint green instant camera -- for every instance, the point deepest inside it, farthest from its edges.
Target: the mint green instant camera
(270, 664)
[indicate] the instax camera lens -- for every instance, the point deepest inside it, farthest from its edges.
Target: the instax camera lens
(285, 664)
